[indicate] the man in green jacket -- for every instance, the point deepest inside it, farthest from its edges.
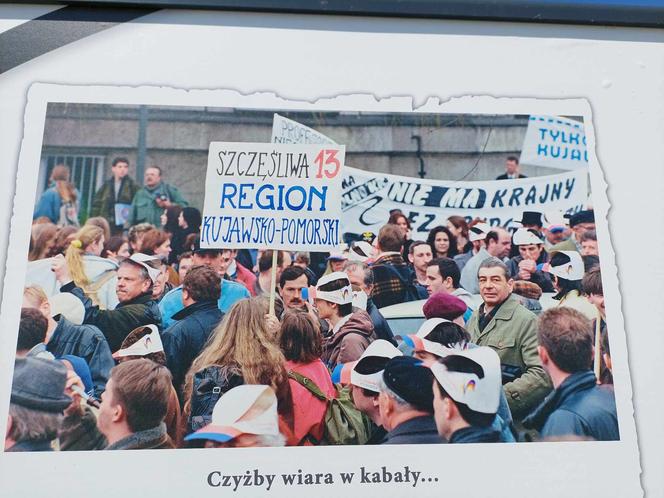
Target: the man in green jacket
(113, 200)
(151, 200)
(504, 325)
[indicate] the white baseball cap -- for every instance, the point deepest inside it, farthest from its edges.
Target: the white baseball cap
(525, 237)
(572, 270)
(480, 393)
(245, 409)
(141, 259)
(379, 348)
(150, 343)
(361, 251)
(478, 231)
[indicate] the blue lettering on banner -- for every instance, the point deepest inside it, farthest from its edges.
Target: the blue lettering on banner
(271, 198)
(261, 230)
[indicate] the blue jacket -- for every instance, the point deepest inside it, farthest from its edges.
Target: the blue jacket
(171, 303)
(381, 327)
(49, 205)
(577, 407)
(185, 339)
(87, 342)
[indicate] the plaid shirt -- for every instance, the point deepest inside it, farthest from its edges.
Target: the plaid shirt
(388, 288)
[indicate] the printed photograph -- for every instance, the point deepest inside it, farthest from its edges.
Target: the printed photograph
(217, 277)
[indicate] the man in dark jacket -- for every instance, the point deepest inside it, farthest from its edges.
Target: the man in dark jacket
(393, 281)
(66, 338)
(406, 402)
(466, 393)
(115, 195)
(577, 406)
(362, 276)
(136, 276)
(184, 340)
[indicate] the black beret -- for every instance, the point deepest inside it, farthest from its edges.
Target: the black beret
(411, 380)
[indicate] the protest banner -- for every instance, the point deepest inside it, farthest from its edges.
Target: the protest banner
(555, 142)
(287, 131)
(367, 199)
(281, 196)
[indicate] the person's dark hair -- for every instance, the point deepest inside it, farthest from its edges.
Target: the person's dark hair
(431, 240)
(344, 309)
(136, 335)
(120, 160)
(101, 222)
(417, 243)
(143, 388)
(459, 222)
(193, 218)
(291, 273)
(62, 240)
(154, 166)
(202, 283)
(589, 261)
(589, 235)
(394, 218)
(456, 363)
(185, 255)
(447, 268)
(592, 282)
(265, 261)
(390, 238)
(513, 159)
(31, 330)
(567, 336)
(299, 338)
(113, 245)
(492, 235)
(448, 334)
(172, 215)
(493, 262)
(564, 285)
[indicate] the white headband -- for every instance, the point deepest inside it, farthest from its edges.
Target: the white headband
(150, 343)
(339, 296)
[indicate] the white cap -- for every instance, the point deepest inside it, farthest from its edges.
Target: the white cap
(525, 237)
(67, 305)
(339, 296)
(245, 409)
(361, 251)
(140, 259)
(421, 343)
(360, 299)
(478, 231)
(480, 394)
(572, 270)
(146, 345)
(379, 348)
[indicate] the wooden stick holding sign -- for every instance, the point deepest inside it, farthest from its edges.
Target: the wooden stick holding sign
(273, 281)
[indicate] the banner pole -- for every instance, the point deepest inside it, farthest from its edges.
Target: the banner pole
(598, 352)
(273, 281)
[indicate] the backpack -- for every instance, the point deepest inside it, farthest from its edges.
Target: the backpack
(209, 385)
(343, 423)
(68, 214)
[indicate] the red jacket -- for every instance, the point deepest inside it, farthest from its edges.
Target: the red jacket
(246, 278)
(309, 411)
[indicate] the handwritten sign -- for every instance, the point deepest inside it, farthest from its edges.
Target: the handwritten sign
(287, 131)
(282, 196)
(555, 142)
(367, 199)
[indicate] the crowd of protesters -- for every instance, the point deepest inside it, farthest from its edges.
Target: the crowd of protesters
(133, 336)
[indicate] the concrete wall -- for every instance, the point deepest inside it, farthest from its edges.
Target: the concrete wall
(462, 148)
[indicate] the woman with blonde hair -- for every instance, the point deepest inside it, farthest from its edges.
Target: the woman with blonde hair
(59, 203)
(95, 275)
(240, 350)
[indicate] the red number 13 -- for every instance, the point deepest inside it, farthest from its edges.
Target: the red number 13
(327, 157)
